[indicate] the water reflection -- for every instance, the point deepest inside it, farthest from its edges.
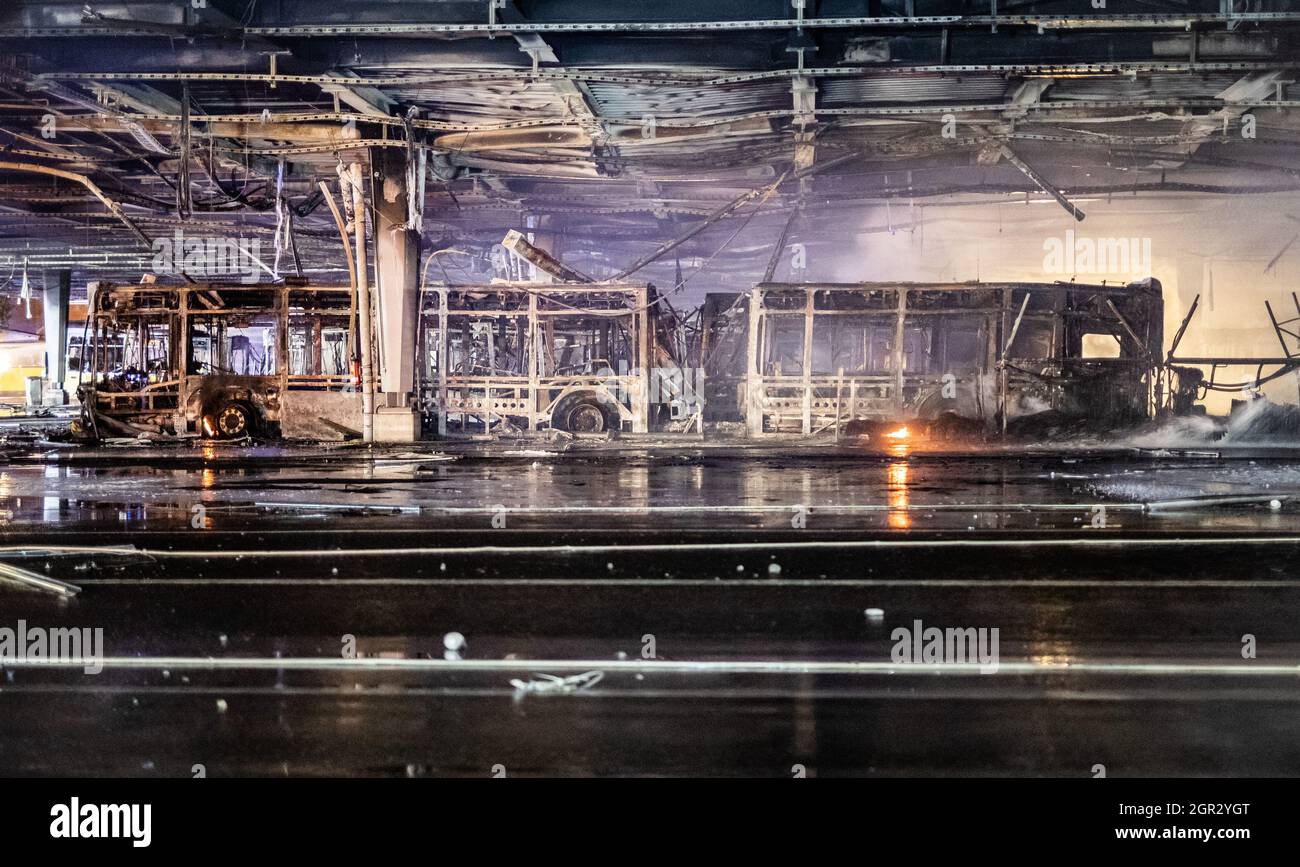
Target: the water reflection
(767, 489)
(898, 496)
(1050, 652)
(896, 490)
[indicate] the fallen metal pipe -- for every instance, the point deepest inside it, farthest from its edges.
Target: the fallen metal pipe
(1211, 502)
(1042, 183)
(516, 243)
(780, 245)
(37, 581)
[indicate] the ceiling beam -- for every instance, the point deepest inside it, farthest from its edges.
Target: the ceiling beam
(359, 96)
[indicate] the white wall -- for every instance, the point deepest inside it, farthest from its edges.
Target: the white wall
(1216, 247)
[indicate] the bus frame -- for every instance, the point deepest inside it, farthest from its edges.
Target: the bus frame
(467, 331)
(1023, 347)
(176, 372)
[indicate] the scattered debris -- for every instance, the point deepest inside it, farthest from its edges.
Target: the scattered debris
(550, 684)
(1210, 502)
(453, 643)
(341, 507)
(410, 458)
(1176, 453)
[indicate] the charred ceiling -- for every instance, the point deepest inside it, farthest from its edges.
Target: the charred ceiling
(617, 127)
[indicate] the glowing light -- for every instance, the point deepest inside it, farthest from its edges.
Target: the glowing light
(900, 434)
(1051, 653)
(899, 498)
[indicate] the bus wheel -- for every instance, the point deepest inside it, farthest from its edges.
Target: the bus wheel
(583, 412)
(233, 420)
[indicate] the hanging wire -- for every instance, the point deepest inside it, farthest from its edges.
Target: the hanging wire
(184, 203)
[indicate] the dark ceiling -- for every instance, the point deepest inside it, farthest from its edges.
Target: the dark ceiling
(614, 127)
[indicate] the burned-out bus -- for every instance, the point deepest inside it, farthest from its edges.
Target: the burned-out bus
(579, 358)
(232, 360)
(807, 357)
(223, 360)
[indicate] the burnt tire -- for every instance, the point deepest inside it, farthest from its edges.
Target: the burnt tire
(234, 420)
(584, 413)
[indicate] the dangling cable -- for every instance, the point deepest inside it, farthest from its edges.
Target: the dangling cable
(345, 191)
(415, 175)
(26, 293)
(281, 224)
(183, 201)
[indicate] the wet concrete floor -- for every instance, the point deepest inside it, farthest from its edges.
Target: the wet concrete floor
(283, 611)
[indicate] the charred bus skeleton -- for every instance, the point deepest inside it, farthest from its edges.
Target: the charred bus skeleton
(230, 360)
(581, 358)
(818, 356)
(220, 360)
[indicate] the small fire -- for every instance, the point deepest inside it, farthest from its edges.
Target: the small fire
(900, 434)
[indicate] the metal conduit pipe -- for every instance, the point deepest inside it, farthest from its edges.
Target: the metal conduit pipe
(363, 306)
(114, 208)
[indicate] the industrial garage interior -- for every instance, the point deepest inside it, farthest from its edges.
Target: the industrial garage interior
(559, 388)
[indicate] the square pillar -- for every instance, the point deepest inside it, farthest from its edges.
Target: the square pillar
(397, 290)
(58, 290)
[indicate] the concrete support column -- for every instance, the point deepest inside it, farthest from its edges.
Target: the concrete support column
(58, 289)
(397, 260)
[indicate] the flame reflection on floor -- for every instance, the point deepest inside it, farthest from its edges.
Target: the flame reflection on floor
(897, 492)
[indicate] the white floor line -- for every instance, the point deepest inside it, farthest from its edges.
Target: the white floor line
(1085, 540)
(659, 666)
(686, 582)
(847, 509)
